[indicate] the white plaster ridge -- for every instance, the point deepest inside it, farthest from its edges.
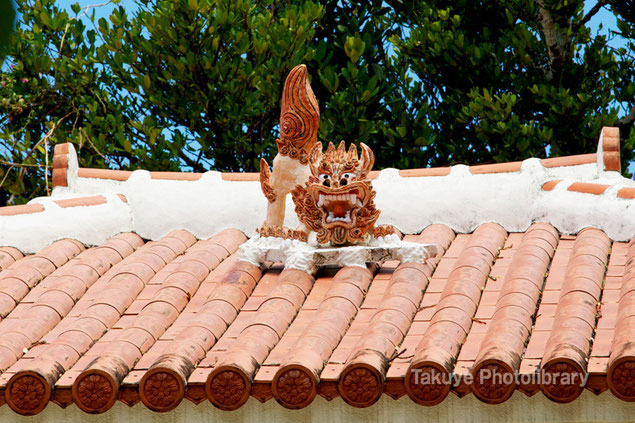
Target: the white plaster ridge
(461, 200)
(308, 256)
(91, 225)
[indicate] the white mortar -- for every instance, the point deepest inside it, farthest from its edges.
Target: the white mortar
(91, 225)
(460, 200)
(309, 256)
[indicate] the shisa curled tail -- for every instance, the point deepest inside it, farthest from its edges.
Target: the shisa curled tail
(299, 123)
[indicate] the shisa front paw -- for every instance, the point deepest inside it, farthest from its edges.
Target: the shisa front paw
(282, 232)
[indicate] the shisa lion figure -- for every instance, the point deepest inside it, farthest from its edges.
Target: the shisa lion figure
(332, 192)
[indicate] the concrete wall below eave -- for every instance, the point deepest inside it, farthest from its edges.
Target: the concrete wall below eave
(589, 407)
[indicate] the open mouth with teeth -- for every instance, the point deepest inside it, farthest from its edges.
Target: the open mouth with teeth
(339, 206)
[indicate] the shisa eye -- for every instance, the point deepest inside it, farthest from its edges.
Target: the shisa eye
(345, 179)
(324, 179)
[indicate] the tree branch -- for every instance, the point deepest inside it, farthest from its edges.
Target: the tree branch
(194, 165)
(627, 120)
(32, 150)
(554, 38)
(13, 164)
(594, 10)
(87, 8)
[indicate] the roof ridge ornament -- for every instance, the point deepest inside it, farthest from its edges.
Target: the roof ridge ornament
(332, 193)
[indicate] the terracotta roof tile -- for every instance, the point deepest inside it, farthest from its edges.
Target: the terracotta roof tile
(296, 379)
(568, 347)
(117, 175)
(607, 316)
(496, 168)
(621, 363)
(588, 188)
(22, 275)
(361, 382)
(180, 318)
(83, 201)
(512, 318)
(452, 319)
(232, 286)
(23, 209)
(238, 364)
(8, 256)
(69, 344)
(177, 176)
(60, 165)
(104, 375)
(610, 142)
(434, 171)
(550, 185)
(626, 193)
(576, 160)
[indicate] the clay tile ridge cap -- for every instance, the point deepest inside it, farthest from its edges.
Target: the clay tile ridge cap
(608, 152)
(32, 208)
(65, 165)
(21, 209)
(66, 169)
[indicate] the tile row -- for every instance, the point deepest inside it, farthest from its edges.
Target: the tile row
(179, 318)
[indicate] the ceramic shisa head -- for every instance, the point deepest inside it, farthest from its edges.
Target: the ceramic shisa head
(336, 201)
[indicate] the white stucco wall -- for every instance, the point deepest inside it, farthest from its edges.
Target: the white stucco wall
(519, 408)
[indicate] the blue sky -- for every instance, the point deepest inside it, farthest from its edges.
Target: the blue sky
(601, 23)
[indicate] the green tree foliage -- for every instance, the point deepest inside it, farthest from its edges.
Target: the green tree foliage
(502, 80)
(196, 84)
(7, 17)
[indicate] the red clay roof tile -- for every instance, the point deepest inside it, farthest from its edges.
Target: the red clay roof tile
(23, 209)
(178, 318)
(588, 188)
(434, 171)
(21, 276)
(60, 165)
(512, 318)
(92, 322)
(238, 365)
(611, 148)
(176, 176)
(568, 346)
(153, 319)
(496, 168)
(361, 382)
(621, 363)
(296, 380)
(550, 185)
(116, 175)
(576, 160)
(188, 346)
(83, 201)
(8, 256)
(449, 325)
(626, 193)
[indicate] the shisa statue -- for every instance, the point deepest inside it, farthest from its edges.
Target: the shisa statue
(332, 192)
